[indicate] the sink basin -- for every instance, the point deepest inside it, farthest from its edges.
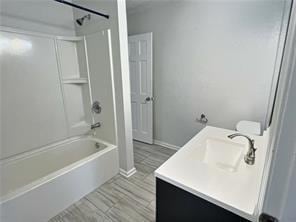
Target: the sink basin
(223, 154)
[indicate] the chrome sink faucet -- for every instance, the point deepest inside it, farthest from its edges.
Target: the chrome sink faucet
(250, 156)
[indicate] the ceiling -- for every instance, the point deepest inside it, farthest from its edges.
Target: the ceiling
(132, 4)
(46, 12)
(49, 12)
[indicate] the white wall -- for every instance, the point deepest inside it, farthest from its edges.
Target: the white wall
(212, 57)
(45, 16)
(96, 24)
(280, 194)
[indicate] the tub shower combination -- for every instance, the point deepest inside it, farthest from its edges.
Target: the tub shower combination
(61, 153)
(38, 185)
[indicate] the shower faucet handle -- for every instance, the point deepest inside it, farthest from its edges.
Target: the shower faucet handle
(96, 107)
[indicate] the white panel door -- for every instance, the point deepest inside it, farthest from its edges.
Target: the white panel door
(140, 60)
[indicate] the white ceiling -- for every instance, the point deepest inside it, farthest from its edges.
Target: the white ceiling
(134, 5)
(53, 13)
(46, 12)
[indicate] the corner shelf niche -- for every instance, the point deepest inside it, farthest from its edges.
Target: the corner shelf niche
(70, 38)
(74, 80)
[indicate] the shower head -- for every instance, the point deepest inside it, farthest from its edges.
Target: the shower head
(81, 20)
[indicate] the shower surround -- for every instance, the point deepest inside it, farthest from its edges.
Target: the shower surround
(49, 84)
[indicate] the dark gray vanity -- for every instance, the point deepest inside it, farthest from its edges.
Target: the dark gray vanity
(177, 205)
(216, 176)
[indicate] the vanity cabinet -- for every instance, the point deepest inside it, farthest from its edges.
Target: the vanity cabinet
(177, 205)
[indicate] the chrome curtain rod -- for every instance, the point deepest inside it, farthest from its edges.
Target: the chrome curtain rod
(82, 8)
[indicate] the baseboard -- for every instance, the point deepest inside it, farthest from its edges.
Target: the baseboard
(127, 173)
(166, 145)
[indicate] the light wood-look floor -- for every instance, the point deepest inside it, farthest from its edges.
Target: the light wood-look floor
(122, 199)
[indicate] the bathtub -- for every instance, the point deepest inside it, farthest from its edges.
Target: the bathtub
(36, 186)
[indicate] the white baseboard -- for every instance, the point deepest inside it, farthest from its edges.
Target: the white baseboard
(127, 173)
(166, 145)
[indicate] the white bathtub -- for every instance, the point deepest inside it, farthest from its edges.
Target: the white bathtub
(36, 186)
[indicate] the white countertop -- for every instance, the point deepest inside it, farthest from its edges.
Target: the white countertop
(236, 191)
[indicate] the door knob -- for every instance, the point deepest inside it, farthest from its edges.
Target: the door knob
(148, 99)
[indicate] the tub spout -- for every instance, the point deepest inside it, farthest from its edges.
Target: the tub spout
(96, 125)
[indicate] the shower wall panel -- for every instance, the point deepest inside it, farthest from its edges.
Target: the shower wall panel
(32, 112)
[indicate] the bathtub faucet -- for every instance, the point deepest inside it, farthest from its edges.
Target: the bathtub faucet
(96, 125)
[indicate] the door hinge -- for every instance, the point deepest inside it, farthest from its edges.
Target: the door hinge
(267, 218)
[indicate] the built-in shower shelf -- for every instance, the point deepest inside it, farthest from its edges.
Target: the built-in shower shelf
(70, 38)
(75, 81)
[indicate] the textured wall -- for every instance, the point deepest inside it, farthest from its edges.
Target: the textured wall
(212, 57)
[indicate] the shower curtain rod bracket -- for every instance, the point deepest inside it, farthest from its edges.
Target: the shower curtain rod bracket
(82, 8)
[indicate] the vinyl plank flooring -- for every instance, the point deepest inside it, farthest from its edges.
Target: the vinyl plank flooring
(127, 210)
(90, 212)
(150, 179)
(163, 150)
(160, 156)
(133, 191)
(109, 194)
(111, 191)
(144, 168)
(122, 199)
(82, 211)
(138, 176)
(58, 218)
(144, 183)
(153, 148)
(152, 162)
(102, 202)
(152, 206)
(139, 157)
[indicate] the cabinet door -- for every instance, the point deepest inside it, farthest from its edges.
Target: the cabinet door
(174, 204)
